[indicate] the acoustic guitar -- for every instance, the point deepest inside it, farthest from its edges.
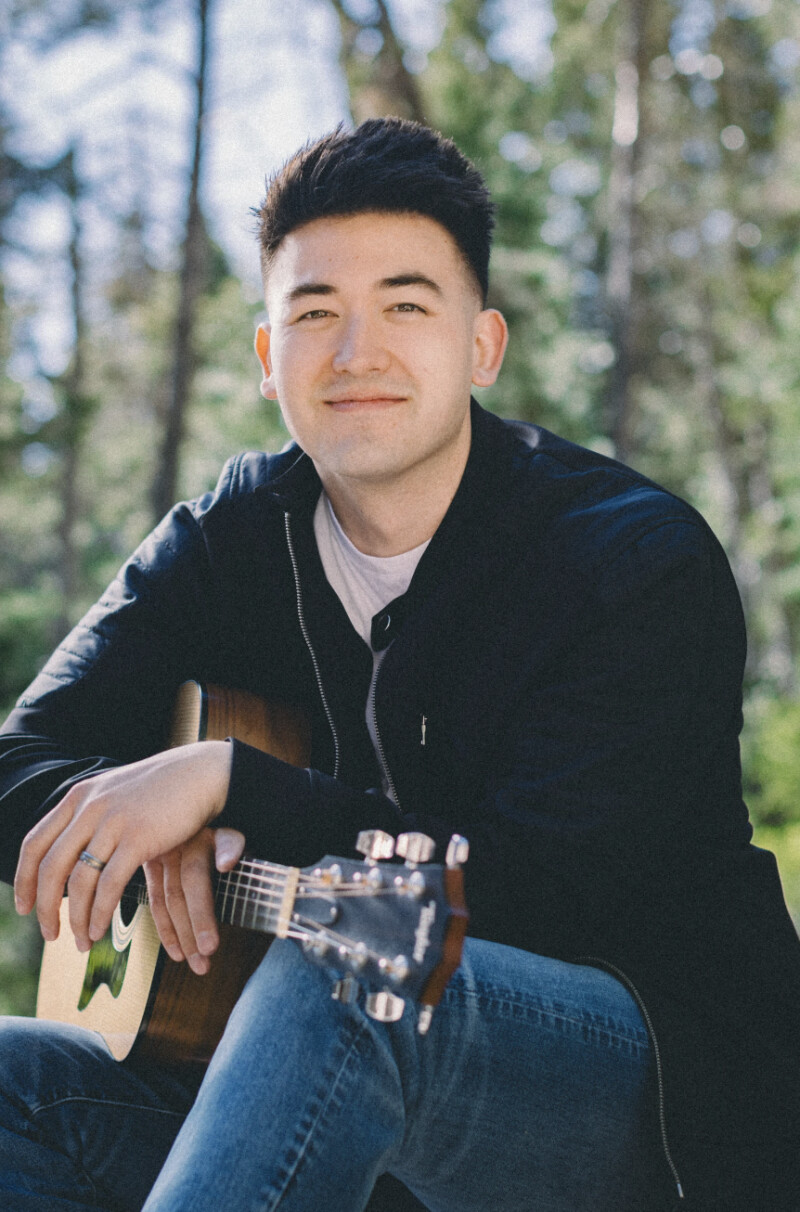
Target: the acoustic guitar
(386, 931)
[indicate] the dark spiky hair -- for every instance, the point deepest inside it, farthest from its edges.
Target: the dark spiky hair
(387, 165)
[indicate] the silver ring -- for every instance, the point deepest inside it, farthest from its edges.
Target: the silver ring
(95, 863)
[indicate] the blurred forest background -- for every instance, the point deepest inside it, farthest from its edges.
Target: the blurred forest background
(646, 164)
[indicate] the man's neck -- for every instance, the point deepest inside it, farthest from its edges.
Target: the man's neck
(387, 519)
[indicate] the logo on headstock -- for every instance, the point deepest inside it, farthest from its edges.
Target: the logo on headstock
(422, 934)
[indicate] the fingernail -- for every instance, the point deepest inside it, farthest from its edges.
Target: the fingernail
(83, 944)
(198, 964)
(206, 942)
(174, 952)
(48, 934)
(20, 905)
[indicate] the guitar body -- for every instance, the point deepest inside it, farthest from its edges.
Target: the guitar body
(390, 931)
(110, 989)
(127, 987)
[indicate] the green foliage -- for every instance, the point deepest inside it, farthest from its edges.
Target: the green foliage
(772, 769)
(20, 950)
(26, 637)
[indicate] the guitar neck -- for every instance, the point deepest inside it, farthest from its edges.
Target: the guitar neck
(258, 895)
(255, 894)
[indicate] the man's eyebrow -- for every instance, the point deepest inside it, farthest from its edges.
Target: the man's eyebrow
(411, 279)
(310, 288)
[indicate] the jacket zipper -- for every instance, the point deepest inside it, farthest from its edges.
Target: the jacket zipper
(381, 753)
(637, 997)
(302, 620)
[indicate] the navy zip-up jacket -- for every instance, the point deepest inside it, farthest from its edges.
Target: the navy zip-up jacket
(573, 641)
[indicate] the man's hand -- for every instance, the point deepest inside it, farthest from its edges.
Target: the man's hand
(181, 896)
(125, 817)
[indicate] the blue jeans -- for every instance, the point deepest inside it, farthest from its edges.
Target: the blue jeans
(532, 1091)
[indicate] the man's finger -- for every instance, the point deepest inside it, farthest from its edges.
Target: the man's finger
(60, 870)
(81, 886)
(35, 846)
(154, 874)
(196, 882)
(175, 900)
(228, 848)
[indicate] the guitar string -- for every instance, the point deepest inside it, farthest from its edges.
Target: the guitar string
(257, 873)
(251, 904)
(231, 881)
(265, 903)
(242, 891)
(258, 896)
(255, 887)
(242, 888)
(250, 880)
(265, 871)
(331, 937)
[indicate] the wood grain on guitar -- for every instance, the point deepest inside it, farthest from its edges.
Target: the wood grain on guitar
(352, 917)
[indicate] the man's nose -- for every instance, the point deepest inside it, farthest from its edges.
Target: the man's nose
(360, 349)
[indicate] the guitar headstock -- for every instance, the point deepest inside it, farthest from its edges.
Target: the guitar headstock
(395, 929)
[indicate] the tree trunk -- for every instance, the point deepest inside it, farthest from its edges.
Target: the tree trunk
(192, 273)
(383, 86)
(743, 462)
(76, 409)
(621, 302)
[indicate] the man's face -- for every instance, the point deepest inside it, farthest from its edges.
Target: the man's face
(376, 335)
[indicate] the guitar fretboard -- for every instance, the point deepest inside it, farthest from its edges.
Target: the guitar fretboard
(255, 894)
(258, 896)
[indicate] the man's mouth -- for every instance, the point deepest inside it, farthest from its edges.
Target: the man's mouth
(355, 400)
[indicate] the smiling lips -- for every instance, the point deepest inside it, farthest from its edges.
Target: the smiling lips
(354, 401)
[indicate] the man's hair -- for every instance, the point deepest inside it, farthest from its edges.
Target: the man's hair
(388, 165)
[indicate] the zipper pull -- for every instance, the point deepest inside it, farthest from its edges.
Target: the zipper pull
(424, 729)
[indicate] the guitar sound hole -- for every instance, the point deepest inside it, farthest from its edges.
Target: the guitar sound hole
(127, 909)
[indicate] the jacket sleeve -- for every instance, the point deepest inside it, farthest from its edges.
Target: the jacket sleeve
(103, 698)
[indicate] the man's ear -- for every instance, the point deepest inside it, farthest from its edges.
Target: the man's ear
(268, 389)
(489, 346)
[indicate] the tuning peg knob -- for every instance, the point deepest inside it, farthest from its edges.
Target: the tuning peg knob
(424, 1020)
(374, 844)
(385, 1007)
(345, 990)
(457, 851)
(415, 848)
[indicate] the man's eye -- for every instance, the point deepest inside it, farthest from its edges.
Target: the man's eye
(316, 314)
(408, 307)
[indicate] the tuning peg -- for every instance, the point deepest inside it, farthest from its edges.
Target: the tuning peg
(328, 875)
(415, 848)
(396, 969)
(374, 844)
(385, 1007)
(457, 851)
(424, 1019)
(345, 990)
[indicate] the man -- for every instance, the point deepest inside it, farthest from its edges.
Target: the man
(493, 633)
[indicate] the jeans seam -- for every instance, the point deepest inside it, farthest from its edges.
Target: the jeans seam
(509, 1006)
(324, 1098)
(104, 1102)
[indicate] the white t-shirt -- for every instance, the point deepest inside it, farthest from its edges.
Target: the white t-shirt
(364, 584)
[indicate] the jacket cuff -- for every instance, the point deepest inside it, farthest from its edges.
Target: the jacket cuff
(268, 800)
(294, 816)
